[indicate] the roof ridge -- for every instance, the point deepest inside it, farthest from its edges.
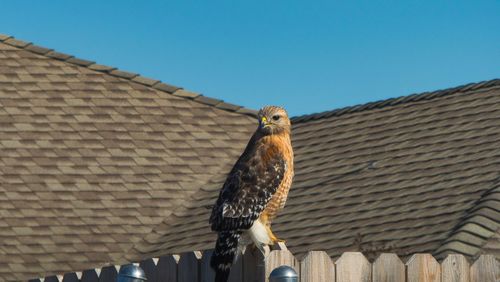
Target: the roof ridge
(134, 77)
(397, 101)
(487, 201)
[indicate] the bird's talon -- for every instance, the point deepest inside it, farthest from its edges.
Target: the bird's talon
(264, 249)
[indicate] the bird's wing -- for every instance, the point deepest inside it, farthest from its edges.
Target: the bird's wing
(248, 188)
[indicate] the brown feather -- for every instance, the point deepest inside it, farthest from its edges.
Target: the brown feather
(255, 189)
(279, 143)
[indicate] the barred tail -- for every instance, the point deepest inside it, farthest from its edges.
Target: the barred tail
(224, 254)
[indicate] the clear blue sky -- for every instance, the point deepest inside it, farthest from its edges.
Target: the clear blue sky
(308, 56)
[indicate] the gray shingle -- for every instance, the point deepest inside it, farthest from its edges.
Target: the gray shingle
(401, 175)
(165, 87)
(80, 62)
(398, 175)
(38, 49)
(93, 168)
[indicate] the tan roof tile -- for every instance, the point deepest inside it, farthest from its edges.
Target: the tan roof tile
(95, 159)
(402, 173)
(87, 164)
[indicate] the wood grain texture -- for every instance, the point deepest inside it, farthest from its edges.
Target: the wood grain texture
(108, 273)
(167, 268)
(353, 267)
(150, 269)
(53, 278)
(455, 268)
(485, 269)
(388, 268)
(253, 265)
(70, 277)
(278, 258)
(423, 268)
(188, 267)
(90, 276)
(207, 274)
(236, 274)
(317, 266)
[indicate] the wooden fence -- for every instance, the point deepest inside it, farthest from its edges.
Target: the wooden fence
(316, 266)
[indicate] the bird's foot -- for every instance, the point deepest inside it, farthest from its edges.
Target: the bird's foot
(281, 246)
(277, 241)
(264, 249)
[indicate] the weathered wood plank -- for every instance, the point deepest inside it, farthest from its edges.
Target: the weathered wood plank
(90, 275)
(388, 268)
(317, 266)
(485, 269)
(108, 273)
(167, 268)
(236, 274)
(71, 277)
(150, 269)
(207, 274)
(278, 258)
(188, 268)
(53, 279)
(423, 268)
(455, 268)
(253, 265)
(353, 267)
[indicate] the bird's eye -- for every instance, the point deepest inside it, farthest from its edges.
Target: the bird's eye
(276, 117)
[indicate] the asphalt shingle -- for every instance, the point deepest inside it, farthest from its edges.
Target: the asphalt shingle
(93, 158)
(405, 175)
(100, 166)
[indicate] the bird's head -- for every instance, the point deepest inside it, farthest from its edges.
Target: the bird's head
(273, 120)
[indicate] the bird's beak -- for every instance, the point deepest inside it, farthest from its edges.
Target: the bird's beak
(263, 122)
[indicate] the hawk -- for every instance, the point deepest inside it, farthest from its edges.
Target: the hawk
(255, 190)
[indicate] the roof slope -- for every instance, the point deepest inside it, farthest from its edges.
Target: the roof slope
(92, 158)
(403, 175)
(478, 231)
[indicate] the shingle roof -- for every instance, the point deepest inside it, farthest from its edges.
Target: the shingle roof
(92, 158)
(413, 174)
(101, 166)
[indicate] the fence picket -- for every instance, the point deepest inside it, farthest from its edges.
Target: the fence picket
(70, 277)
(188, 267)
(455, 268)
(278, 258)
(236, 274)
(388, 268)
(52, 279)
(423, 268)
(353, 267)
(167, 268)
(485, 269)
(108, 274)
(90, 276)
(317, 266)
(253, 265)
(207, 274)
(150, 270)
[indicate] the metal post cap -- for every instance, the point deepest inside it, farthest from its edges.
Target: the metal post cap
(283, 273)
(131, 273)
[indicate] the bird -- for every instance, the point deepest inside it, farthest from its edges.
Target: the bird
(254, 191)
